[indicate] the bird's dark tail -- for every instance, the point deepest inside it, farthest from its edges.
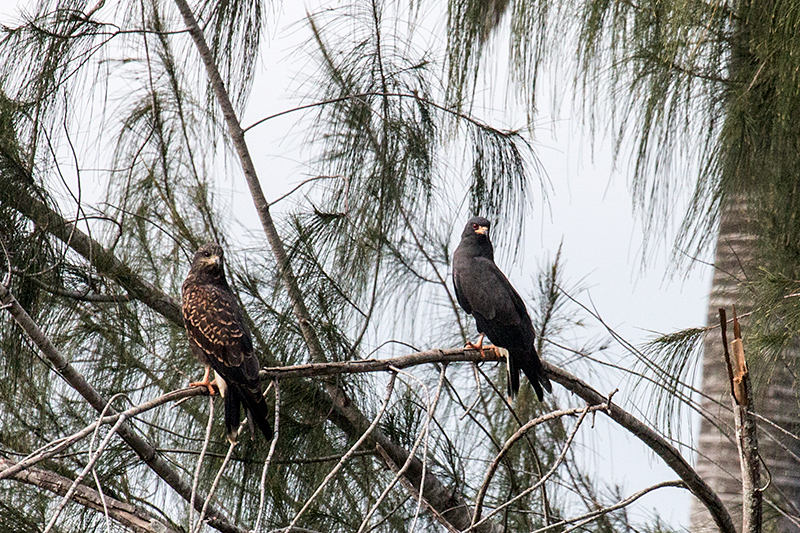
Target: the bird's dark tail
(255, 408)
(231, 400)
(534, 371)
(258, 413)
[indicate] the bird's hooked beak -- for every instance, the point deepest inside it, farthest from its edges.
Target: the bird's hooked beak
(214, 260)
(483, 230)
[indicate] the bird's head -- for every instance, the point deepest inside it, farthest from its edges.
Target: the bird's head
(477, 226)
(209, 259)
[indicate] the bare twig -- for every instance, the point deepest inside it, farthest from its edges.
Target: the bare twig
(412, 490)
(102, 499)
(418, 492)
(206, 440)
(276, 432)
(214, 486)
(340, 464)
(520, 433)
(539, 482)
(582, 520)
(94, 458)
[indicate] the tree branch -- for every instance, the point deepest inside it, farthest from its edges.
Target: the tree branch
(105, 262)
(380, 365)
(584, 519)
(130, 516)
(60, 445)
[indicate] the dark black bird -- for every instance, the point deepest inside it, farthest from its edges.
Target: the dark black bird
(485, 293)
(219, 338)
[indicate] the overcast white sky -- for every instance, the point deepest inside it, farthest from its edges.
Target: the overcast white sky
(590, 211)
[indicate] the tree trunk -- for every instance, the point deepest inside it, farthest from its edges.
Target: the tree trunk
(717, 460)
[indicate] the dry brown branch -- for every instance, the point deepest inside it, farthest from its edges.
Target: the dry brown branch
(745, 424)
(135, 518)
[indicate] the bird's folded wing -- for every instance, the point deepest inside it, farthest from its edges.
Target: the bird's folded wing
(489, 292)
(214, 322)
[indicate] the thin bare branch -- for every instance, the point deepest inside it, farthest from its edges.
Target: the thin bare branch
(346, 456)
(400, 472)
(476, 515)
(78, 480)
(214, 486)
(520, 433)
(584, 519)
(273, 444)
(206, 440)
(53, 448)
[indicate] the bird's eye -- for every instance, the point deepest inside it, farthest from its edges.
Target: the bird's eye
(207, 253)
(474, 226)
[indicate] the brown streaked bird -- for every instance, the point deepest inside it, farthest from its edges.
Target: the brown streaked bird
(219, 338)
(500, 314)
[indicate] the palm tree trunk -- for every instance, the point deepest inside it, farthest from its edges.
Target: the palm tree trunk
(717, 460)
